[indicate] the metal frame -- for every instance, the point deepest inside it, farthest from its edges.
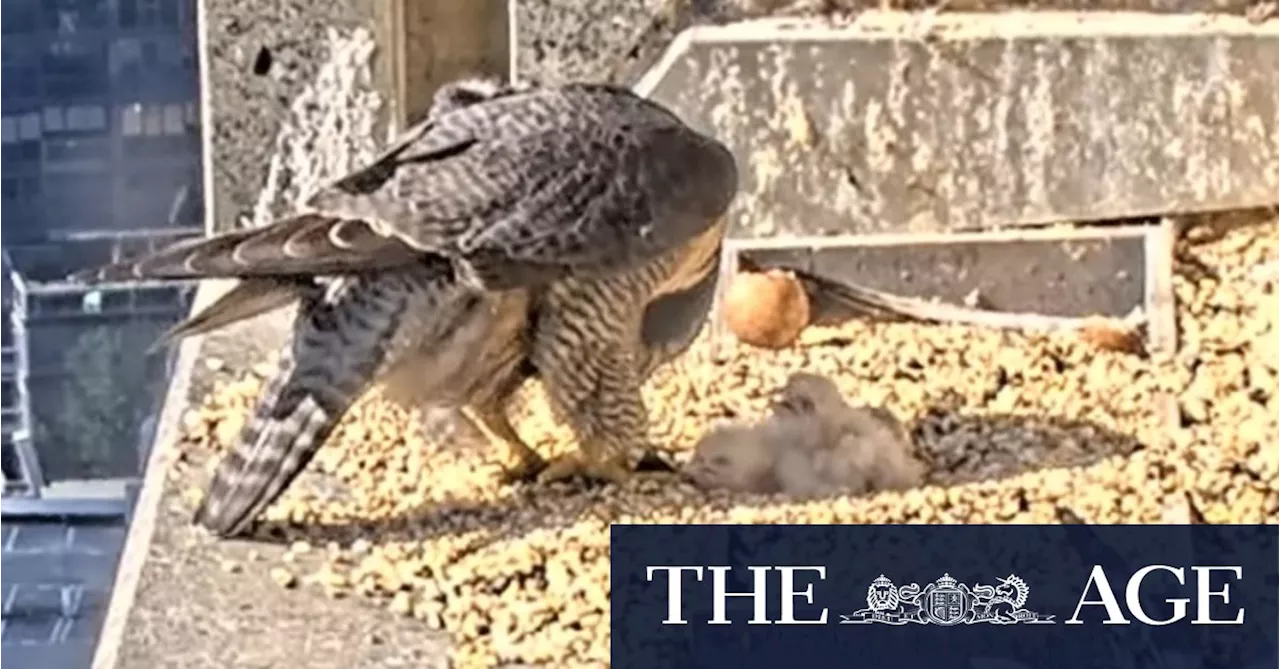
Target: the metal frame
(20, 434)
(149, 234)
(45, 507)
(27, 497)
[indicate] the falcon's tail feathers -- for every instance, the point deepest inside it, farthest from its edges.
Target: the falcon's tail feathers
(247, 299)
(284, 434)
(342, 342)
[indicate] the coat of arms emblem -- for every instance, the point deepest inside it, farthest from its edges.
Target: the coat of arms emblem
(947, 601)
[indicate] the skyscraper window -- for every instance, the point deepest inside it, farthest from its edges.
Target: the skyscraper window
(29, 128)
(9, 130)
(86, 117)
(173, 122)
(53, 118)
(131, 120)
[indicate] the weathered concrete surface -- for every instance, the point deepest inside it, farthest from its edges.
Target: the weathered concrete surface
(915, 123)
(561, 40)
(302, 90)
(257, 61)
(564, 40)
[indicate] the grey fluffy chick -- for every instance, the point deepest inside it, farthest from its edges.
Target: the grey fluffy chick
(813, 444)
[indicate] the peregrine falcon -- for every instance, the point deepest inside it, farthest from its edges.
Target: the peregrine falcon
(567, 233)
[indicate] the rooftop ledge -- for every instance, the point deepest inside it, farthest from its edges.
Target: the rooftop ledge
(184, 600)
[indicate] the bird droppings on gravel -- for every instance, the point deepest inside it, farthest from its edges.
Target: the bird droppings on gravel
(1014, 427)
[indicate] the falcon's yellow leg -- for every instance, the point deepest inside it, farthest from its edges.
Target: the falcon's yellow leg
(521, 463)
(585, 350)
(587, 464)
(610, 424)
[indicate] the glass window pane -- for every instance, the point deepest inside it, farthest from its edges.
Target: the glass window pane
(53, 118)
(82, 117)
(131, 120)
(169, 12)
(125, 53)
(151, 121)
(29, 126)
(96, 117)
(9, 129)
(173, 120)
(128, 13)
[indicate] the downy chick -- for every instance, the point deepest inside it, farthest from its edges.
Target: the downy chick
(745, 457)
(862, 448)
(813, 444)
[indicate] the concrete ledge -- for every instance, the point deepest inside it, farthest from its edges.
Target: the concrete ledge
(142, 525)
(1080, 272)
(930, 122)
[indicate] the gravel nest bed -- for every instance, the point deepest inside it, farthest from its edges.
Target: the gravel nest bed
(1015, 427)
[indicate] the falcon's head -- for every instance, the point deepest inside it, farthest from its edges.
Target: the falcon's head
(467, 92)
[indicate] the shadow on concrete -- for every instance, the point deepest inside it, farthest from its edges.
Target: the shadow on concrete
(960, 447)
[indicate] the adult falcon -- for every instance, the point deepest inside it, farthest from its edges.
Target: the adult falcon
(570, 233)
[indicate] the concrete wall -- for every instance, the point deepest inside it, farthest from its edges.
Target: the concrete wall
(561, 40)
(902, 123)
(299, 92)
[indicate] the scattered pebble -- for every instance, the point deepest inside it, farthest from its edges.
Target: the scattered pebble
(283, 577)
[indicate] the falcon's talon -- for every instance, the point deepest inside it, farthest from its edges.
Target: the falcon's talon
(566, 467)
(525, 470)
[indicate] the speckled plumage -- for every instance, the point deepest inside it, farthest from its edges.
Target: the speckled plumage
(567, 233)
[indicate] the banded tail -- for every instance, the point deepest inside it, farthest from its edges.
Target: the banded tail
(340, 345)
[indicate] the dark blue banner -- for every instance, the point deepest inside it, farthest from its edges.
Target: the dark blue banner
(932, 596)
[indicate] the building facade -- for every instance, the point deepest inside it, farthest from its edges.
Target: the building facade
(101, 157)
(100, 129)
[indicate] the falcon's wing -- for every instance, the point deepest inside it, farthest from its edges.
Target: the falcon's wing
(301, 246)
(578, 177)
(672, 322)
(516, 187)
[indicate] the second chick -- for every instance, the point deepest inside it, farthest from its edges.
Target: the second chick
(813, 444)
